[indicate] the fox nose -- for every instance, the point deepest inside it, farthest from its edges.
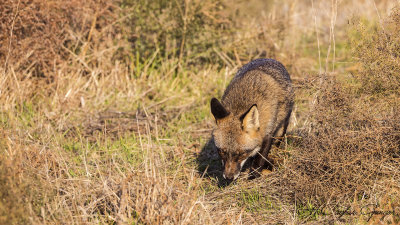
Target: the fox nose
(231, 176)
(228, 176)
(231, 170)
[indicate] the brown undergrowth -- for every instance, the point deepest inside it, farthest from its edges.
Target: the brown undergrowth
(347, 162)
(348, 159)
(36, 36)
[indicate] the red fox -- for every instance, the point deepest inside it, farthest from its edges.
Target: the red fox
(255, 108)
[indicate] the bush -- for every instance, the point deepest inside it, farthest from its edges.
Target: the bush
(37, 36)
(349, 156)
(184, 30)
(377, 50)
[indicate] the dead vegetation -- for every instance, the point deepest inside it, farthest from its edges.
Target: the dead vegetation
(349, 158)
(104, 114)
(378, 54)
(37, 36)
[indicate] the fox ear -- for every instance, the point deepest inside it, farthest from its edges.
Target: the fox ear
(250, 119)
(218, 110)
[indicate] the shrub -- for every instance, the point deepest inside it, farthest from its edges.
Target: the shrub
(349, 156)
(38, 35)
(184, 30)
(377, 50)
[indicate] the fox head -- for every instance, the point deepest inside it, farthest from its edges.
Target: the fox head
(237, 137)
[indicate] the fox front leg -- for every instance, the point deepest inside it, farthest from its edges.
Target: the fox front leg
(260, 160)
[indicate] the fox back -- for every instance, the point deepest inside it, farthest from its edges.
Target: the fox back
(255, 107)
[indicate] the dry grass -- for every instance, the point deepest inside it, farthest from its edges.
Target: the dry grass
(348, 159)
(104, 112)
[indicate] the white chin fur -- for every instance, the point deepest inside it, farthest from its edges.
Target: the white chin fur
(241, 166)
(242, 163)
(253, 153)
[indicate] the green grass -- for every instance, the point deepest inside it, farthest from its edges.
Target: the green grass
(308, 212)
(255, 201)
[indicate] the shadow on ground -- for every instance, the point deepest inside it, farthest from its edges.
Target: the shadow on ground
(209, 164)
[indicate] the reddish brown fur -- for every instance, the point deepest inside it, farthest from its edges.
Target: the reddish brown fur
(256, 104)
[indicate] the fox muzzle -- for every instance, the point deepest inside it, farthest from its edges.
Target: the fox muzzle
(231, 170)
